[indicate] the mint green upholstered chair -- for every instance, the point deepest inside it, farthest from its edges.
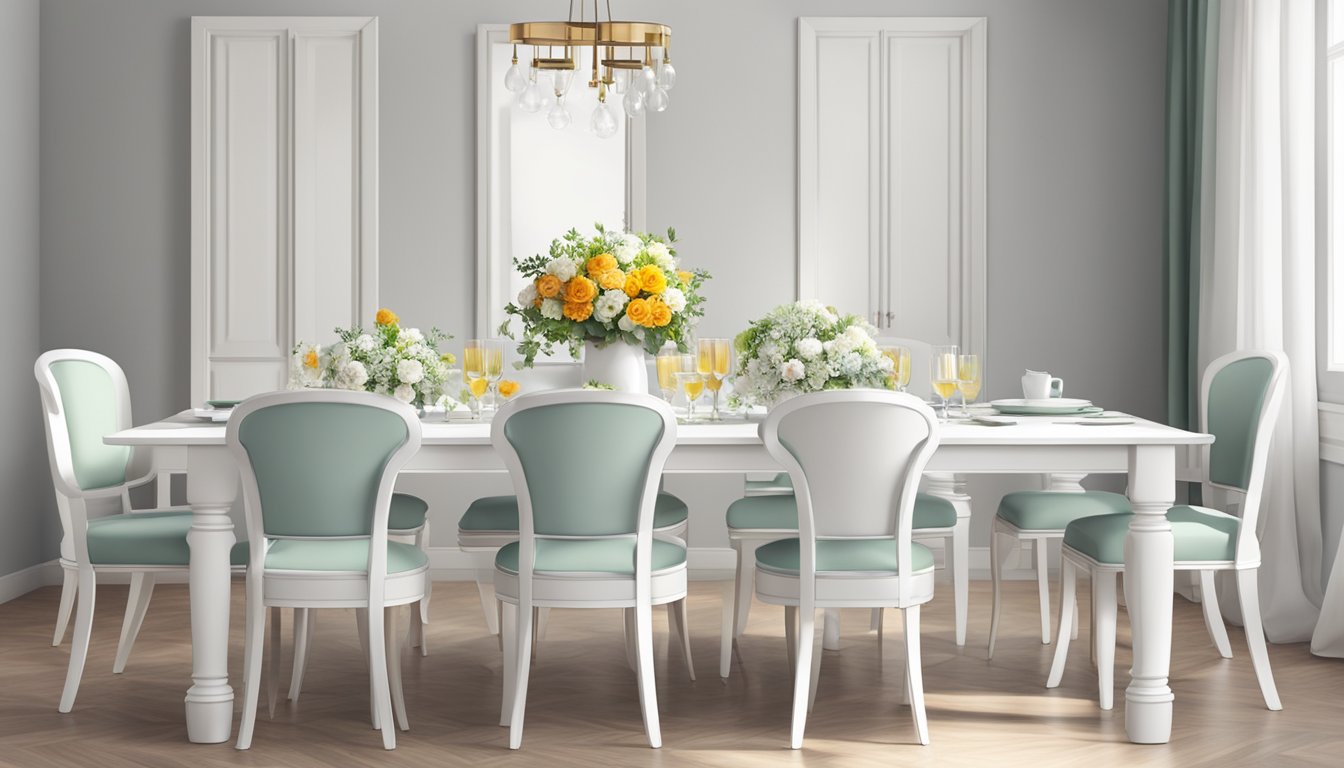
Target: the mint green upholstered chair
(856, 508)
(586, 466)
(85, 398)
(317, 471)
(1241, 399)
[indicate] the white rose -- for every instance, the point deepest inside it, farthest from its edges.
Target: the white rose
(661, 255)
(674, 299)
(365, 343)
(353, 376)
(809, 348)
(625, 324)
(410, 371)
(792, 370)
(628, 249)
(410, 336)
(404, 392)
(563, 268)
(609, 305)
(528, 296)
(552, 309)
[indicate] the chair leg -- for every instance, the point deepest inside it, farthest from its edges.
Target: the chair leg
(791, 633)
(362, 626)
(995, 577)
(378, 676)
(508, 633)
(79, 645)
(676, 613)
(830, 636)
(393, 644)
(1248, 589)
(738, 603)
(726, 629)
(960, 555)
(252, 654)
(273, 655)
(631, 653)
(802, 673)
(485, 587)
(1103, 597)
(420, 613)
(69, 588)
(1068, 585)
(137, 602)
(815, 671)
(875, 620)
(914, 674)
(523, 656)
(648, 696)
(1213, 618)
(543, 616)
(305, 627)
(1041, 552)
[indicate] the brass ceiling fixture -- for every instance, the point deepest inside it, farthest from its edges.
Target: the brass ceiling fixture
(629, 58)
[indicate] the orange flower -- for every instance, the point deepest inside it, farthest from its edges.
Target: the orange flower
(548, 286)
(652, 279)
(612, 280)
(386, 316)
(508, 388)
(580, 290)
(639, 311)
(686, 277)
(578, 311)
(310, 359)
(632, 284)
(660, 314)
(603, 262)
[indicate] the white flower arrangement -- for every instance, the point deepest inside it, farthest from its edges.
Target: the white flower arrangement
(806, 347)
(398, 362)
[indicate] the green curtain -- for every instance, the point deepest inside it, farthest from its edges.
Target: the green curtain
(1192, 50)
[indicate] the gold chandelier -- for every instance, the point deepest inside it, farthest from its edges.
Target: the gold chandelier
(631, 59)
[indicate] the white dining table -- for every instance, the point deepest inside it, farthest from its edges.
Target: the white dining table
(1144, 450)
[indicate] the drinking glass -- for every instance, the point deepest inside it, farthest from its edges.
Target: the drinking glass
(452, 388)
(900, 367)
(713, 361)
(968, 381)
(943, 373)
(668, 363)
(693, 384)
(494, 351)
(474, 369)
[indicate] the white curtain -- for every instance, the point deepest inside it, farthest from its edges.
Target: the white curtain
(1257, 284)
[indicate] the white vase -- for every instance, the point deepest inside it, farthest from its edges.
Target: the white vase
(617, 365)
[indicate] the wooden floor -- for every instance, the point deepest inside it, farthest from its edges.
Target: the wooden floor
(583, 709)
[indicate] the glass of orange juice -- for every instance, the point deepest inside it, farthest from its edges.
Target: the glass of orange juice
(692, 382)
(474, 369)
(943, 373)
(900, 367)
(714, 360)
(668, 363)
(968, 381)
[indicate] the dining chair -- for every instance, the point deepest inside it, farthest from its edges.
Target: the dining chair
(85, 397)
(1242, 396)
(318, 467)
(856, 507)
(585, 526)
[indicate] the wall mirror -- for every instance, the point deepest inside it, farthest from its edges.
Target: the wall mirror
(535, 181)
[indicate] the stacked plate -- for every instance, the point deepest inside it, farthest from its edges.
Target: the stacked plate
(215, 410)
(1052, 406)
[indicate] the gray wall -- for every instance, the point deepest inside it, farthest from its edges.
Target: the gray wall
(24, 505)
(1075, 173)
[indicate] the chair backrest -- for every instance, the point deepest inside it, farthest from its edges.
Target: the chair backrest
(920, 354)
(84, 399)
(855, 458)
(321, 464)
(585, 464)
(1242, 396)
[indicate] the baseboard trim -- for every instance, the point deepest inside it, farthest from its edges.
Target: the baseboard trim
(22, 582)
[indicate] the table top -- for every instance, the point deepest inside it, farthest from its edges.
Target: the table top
(184, 429)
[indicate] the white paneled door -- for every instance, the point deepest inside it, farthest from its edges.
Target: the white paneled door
(891, 129)
(284, 192)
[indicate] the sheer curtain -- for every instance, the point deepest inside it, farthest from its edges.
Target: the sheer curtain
(1257, 281)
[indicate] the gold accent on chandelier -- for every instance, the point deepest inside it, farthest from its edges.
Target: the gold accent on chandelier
(597, 34)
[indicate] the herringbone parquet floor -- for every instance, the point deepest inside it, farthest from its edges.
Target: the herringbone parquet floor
(583, 709)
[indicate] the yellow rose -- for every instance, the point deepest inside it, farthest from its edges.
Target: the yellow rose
(479, 386)
(652, 279)
(603, 262)
(612, 280)
(310, 359)
(639, 311)
(580, 290)
(632, 284)
(686, 277)
(548, 286)
(448, 358)
(508, 388)
(578, 311)
(660, 314)
(386, 316)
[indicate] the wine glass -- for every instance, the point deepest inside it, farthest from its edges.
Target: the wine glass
(668, 363)
(474, 369)
(900, 367)
(943, 373)
(494, 350)
(968, 381)
(693, 384)
(713, 361)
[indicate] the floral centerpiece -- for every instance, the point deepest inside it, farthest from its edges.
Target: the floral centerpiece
(612, 288)
(389, 360)
(806, 347)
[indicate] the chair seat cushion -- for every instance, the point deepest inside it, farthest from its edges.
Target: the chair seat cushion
(147, 538)
(340, 556)
(842, 556)
(780, 483)
(605, 556)
(500, 513)
(1052, 510)
(407, 512)
(1200, 534)
(780, 513)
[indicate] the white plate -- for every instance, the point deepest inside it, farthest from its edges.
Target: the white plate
(212, 414)
(1052, 406)
(1100, 420)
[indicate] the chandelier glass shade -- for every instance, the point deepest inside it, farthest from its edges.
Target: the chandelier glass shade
(631, 60)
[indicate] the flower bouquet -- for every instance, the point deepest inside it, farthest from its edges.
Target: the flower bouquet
(806, 347)
(610, 288)
(390, 360)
